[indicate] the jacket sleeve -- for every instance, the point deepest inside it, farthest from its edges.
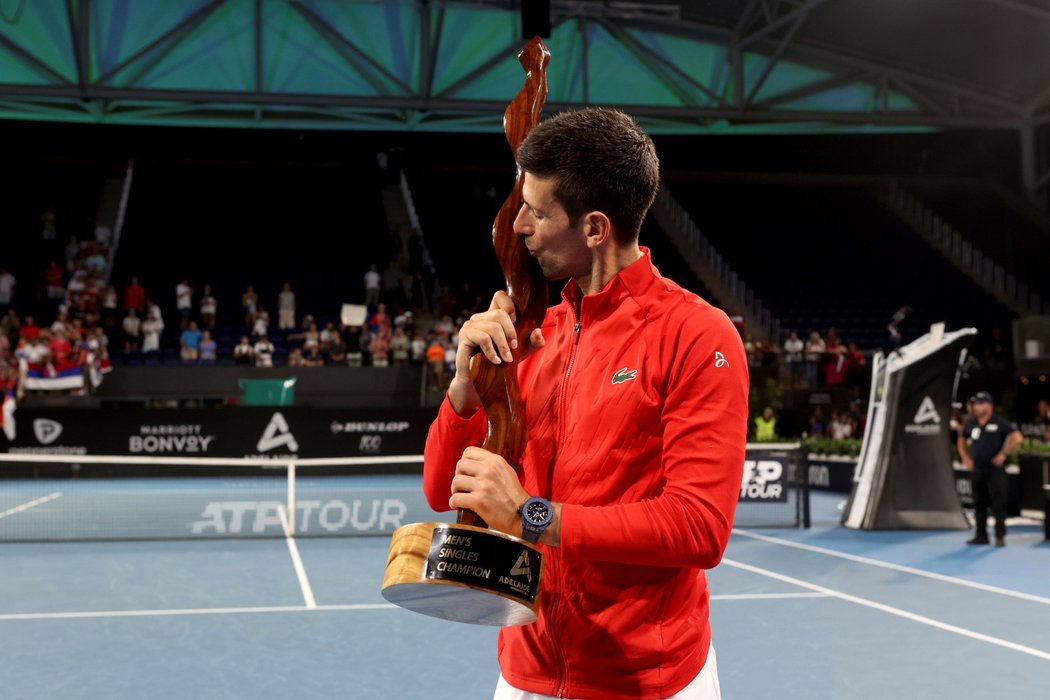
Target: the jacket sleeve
(704, 440)
(448, 436)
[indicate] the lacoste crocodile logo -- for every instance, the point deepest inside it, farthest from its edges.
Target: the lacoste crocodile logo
(624, 375)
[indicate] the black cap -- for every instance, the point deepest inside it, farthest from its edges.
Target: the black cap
(982, 397)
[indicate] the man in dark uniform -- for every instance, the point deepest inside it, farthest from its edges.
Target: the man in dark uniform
(985, 443)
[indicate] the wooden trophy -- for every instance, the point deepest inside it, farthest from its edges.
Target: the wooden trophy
(465, 571)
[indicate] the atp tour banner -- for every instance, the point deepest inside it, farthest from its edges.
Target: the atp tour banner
(256, 432)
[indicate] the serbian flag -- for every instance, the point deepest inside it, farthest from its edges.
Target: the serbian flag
(65, 374)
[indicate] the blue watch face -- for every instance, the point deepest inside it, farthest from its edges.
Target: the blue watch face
(537, 513)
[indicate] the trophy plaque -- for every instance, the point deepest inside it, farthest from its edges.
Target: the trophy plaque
(465, 571)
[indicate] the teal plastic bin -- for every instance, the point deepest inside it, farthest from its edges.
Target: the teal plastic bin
(267, 392)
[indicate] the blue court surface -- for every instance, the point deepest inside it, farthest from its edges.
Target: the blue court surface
(797, 614)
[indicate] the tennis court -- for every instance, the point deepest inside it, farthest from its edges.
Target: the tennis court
(801, 614)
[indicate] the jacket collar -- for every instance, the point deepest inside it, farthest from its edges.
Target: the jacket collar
(632, 281)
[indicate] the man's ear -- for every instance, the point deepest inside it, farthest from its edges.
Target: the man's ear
(597, 228)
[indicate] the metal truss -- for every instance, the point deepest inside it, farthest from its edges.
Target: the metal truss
(448, 73)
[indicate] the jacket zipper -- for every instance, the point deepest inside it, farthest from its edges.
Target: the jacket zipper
(563, 401)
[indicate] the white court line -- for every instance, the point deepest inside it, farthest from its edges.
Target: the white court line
(31, 504)
(767, 596)
(896, 567)
(297, 562)
(173, 612)
(1038, 653)
(4, 617)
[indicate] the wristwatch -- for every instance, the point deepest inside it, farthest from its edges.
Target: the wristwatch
(536, 515)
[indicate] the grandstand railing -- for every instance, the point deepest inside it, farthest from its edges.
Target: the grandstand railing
(118, 225)
(718, 273)
(969, 258)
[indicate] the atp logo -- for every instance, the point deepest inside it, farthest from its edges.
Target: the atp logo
(46, 430)
(927, 412)
(277, 434)
(523, 568)
(927, 420)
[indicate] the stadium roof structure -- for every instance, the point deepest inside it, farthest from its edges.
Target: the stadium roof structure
(712, 66)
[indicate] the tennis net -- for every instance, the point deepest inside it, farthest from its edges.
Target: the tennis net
(79, 497)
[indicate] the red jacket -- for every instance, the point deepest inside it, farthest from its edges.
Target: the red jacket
(637, 422)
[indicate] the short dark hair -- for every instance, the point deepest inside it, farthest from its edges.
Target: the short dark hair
(600, 160)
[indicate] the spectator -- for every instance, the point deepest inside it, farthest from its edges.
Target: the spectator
(380, 322)
(766, 426)
(95, 262)
(336, 351)
(793, 348)
(11, 327)
(841, 426)
(261, 327)
(813, 354)
(54, 278)
(295, 358)
(110, 306)
(856, 366)
(152, 328)
(250, 303)
(244, 353)
(418, 350)
(354, 355)
(286, 308)
(837, 365)
(7, 288)
(313, 357)
(328, 336)
(209, 307)
(380, 349)
(135, 296)
(436, 361)
(190, 343)
(209, 350)
(132, 327)
(72, 250)
(103, 234)
(817, 427)
(372, 281)
(184, 302)
(263, 352)
(29, 329)
(399, 347)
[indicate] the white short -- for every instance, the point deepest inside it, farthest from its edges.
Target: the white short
(703, 687)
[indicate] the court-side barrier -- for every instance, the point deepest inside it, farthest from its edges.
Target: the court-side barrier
(835, 474)
(246, 432)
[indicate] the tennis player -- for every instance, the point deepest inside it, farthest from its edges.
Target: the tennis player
(636, 405)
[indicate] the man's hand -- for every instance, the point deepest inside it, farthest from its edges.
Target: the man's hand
(487, 485)
(968, 461)
(492, 333)
(999, 459)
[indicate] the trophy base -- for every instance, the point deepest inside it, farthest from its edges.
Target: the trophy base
(463, 573)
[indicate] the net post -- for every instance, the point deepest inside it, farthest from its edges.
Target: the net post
(803, 459)
(291, 497)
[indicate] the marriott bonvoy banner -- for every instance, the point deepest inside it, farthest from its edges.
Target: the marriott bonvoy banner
(258, 432)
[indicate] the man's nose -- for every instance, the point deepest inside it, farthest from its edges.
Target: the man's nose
(522, 222)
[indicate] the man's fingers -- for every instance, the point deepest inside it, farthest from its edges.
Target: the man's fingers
(491, 336)
(501, 301)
